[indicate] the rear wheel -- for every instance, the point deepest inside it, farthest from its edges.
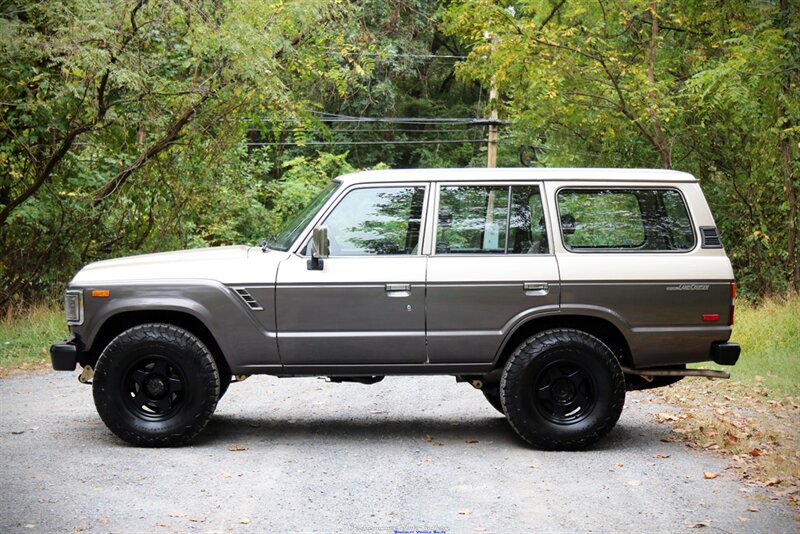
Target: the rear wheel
(562, 389)
(156, 385)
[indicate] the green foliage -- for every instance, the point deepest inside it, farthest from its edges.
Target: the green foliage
(634, 83)
(25, 338)
(122, 125)
(302, 179)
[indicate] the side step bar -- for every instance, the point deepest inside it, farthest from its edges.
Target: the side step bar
(708, 373)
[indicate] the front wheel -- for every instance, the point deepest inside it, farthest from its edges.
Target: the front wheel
(156, 385)
(562, 390)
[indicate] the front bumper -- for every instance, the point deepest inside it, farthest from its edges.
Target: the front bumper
(64, 356)
(725, 353)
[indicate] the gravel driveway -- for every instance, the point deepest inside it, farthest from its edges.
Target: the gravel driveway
(407, 454)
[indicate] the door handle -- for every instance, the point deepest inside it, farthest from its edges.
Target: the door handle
(398, 290)
(536, 288)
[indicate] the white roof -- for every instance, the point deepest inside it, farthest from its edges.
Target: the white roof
(532, 173)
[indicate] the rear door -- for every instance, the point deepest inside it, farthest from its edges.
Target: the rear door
(491, 267)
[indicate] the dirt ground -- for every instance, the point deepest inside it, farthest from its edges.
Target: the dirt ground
(407, 454)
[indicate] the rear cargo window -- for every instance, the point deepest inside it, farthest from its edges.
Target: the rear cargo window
(625, 220)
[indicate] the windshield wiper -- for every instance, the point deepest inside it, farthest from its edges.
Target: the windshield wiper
(265, 245)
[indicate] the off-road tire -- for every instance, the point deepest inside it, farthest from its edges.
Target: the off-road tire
(156, 385)
(562, 389)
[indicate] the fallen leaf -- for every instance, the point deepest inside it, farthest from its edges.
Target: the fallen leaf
(634, 482)
(759, 378)
(774, 481)
(244, 521)
(225, 474)
(198, 519)
(663, 417)
(17, 432)
(480, 529)
(533, 466)
(464, 511)
(755, 453)
(699, 525)
(236, 448)
(103, 521)
(161, 524)
(619, 466)
(432, 441)
(754, 510)
(661, 456)
(471, 441)
(708, 475)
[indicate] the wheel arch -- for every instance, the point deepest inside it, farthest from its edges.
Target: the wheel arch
(119, 322)
(599, 327)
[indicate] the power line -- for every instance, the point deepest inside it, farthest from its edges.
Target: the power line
(418, 56)
(335, 117)
(379, 130)
(348, 143)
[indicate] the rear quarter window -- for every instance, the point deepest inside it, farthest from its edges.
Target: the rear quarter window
(648, 220)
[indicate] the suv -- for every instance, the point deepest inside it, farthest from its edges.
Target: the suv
(553, 291)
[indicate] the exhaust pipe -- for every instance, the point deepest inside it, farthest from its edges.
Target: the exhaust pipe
(649, 373)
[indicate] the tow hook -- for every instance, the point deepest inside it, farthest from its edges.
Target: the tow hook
(240, 378)
(86, 376)
(477, 384)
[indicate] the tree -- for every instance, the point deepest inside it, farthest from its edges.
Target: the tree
(96, 95)
(659, 83)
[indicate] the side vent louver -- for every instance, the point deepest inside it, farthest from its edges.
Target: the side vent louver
(710, 237)
(248, 298)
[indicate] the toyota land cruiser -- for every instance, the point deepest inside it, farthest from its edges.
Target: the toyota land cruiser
(553, 291)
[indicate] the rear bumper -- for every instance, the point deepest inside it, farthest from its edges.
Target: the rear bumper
(725, 353)
(64, 356)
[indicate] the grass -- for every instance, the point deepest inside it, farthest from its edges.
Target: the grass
(753, 419)
(25, 338)
(769, 335)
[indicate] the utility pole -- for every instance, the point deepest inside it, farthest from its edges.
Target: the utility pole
(491, 154)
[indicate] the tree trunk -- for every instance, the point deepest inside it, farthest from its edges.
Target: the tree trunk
(659, 136)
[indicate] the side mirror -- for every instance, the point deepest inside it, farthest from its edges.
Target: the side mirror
(319, 248)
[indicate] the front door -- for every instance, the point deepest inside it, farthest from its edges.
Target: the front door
(366, 306)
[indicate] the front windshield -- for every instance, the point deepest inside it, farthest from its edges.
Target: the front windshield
(294, 225)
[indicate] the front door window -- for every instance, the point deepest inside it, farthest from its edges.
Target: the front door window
(376, 221)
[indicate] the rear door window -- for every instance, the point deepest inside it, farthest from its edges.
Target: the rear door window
(479, 219)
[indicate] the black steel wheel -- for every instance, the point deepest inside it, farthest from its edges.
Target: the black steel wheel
(562, 390)
(156, 385)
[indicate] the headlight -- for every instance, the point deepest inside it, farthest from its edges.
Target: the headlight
(73, 306)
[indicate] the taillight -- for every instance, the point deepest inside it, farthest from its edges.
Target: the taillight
(733, 302)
